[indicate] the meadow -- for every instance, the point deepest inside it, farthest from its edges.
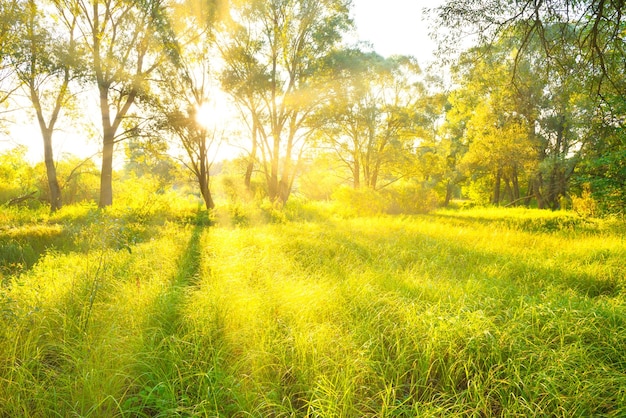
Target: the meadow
(308, 313)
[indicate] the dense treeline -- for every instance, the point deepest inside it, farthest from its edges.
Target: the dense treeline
(533, 113)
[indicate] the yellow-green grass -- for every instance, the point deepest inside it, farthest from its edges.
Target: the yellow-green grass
(475, 313)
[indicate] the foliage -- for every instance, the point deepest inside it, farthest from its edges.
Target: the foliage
(585, 204)
(78, 180)
(596, 24)
(359, 202)
(410, 198)
(564, 64)
(272, 52)
(16, 175)
(604, 171)
(151, 158)
(373, 116)
(321, 175)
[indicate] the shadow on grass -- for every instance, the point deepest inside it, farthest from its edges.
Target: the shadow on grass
(23, 244)
(167, 319)
(21, 248)
(441, 258)
(547, 224)
(178, 373)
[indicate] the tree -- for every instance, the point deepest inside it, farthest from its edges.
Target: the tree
(271, 58)
(127, 41)
(246, 80)
(489, 125)
(598, 25)
(45, 62)
(186, 86)
(10, 15)
(372, 115)
(548, 105)
(581, 45)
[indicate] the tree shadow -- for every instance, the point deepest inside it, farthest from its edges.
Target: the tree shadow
(444, 259)
(547, 224)
(175, 367)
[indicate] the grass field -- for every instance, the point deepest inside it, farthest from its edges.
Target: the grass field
(475, 313)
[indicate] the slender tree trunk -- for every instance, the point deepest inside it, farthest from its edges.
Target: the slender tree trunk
(252, 157)
(515, 180)
(46, 134)
(496, 188)
(356, 173)
(108, 143)
(202, 171)
(556, 185)
(378, 163)
(273, 186)
(529, 193)
(508, 191)
(449, 188)
(285, 179)
(537, 192)
(51, 172)
(106, 173)
(367, 160)
(205, 190)
(374, 179)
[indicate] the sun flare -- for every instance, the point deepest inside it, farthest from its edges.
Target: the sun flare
(206, 115)
(217, 118)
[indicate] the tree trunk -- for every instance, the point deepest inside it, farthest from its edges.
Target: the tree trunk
(356, 172)
(284, 189)
(251, 158)
(508, 191)
(537, 192)
(273, 188)
(449, 187)
(206, 194)
(530, 193)
(496, 188)
(106, 174)
(46, 134)
(51, 172)
(516, 192)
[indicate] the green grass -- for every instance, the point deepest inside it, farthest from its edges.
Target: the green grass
(472, 313)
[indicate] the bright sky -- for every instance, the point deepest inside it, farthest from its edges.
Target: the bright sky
(395, 27)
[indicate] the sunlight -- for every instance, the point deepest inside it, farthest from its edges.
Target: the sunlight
(217, 118)
(205, 115)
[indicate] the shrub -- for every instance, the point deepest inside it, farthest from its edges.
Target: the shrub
(410, 198)
(585, 205)
(359, 202)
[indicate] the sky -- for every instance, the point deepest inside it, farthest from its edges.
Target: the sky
(395, 27)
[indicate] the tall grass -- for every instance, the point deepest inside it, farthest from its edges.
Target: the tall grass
(476, 313)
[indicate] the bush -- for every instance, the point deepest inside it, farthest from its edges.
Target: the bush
(585, 205)
(359, 202)
(410, 198)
